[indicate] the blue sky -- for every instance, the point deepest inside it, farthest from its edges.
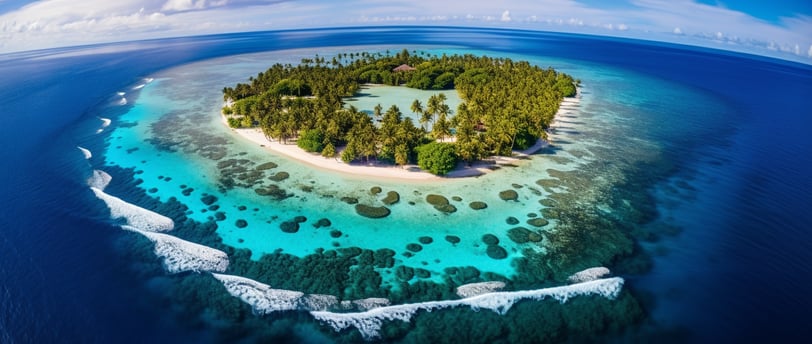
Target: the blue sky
(778, 28)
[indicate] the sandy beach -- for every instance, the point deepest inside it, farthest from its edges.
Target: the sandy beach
(385, 171)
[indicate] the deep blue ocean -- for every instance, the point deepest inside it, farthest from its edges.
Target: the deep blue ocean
(738, 270)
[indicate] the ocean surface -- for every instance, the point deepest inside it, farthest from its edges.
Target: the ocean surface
(683, 170)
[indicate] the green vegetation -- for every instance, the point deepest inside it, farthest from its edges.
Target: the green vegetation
(506, 105)
(437, 157)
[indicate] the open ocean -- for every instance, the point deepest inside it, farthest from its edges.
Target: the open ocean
(700, 158)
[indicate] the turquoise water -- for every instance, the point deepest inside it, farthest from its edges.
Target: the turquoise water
(370, 96)
(178, 126)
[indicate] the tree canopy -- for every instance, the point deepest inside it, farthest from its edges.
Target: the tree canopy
(505, 105)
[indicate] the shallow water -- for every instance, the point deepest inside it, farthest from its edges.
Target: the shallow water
(672, 156)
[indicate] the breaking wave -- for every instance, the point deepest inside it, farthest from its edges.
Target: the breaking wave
(373, 312)
(180, 255)
(134, 215)
(369, 322)
(99, 180)
(86, 152)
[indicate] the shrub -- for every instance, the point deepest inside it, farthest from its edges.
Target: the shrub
(437, 157)
(311, 140)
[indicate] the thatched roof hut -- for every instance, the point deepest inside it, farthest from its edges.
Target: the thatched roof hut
(403, 68)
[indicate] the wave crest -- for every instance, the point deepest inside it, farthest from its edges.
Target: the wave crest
(135, 216)
(180, 255)
(86, 152)
(99, 180)
(590, 274)
(369, 322)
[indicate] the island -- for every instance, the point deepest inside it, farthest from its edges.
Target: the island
(505, 106)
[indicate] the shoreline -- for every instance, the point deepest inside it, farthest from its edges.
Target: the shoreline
(380, 171)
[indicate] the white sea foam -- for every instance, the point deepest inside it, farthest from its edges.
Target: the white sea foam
(590, 274)
(121, 94)
(138, 87)
(262, 298)
(106, 121)
(374, 311)
(369, 322)
(136, 216)
(318, 302)
(474, 289)
(180, 255)
(86, 152)
(123, 101)
(148, 80)
(370, 303)
(99, 180)
(362, 304)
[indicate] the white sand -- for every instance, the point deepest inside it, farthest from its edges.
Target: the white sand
(385, 171)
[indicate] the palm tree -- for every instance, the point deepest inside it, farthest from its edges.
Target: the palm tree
(378, 112)
(417, 108)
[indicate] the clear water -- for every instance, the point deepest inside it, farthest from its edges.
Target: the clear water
(675, 144)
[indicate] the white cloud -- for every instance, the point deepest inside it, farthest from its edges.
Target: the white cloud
(810, 51)
(183, 5)
(677, 31)
(622, 27)
(506, 16)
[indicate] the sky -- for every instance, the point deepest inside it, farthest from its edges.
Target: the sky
(776, 28)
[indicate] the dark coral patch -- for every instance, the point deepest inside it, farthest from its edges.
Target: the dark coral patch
(241, 223)
(392, 197)
(289, 226)
(512, 220)
(452, 239)
(372, 212)
(375, 190)
(538, 222)
(446, 208)
(323, 223)
(422, 273)
(496, 252)
(273, 191)
(404, 273)
(547, 203)
(425, 240)
(349, 200)
(519, 235)
(219, 216)
(477, 205)
(266, 166)
(509, 195)
(335, 233)
(490, 239)
(280, 176)
(436, 200)
(208, 199)
(384, 258)
(414, 247)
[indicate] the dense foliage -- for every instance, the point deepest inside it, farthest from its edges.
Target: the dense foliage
(437, 157)
(506, 104)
